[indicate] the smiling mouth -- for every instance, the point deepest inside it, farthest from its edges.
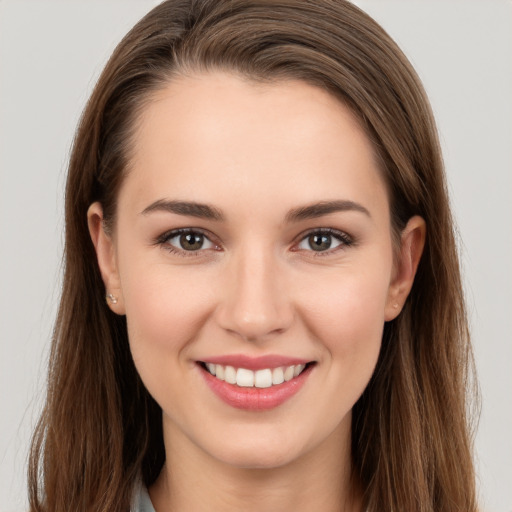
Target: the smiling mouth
(263, 378)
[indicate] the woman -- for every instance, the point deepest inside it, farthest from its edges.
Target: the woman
(256, 189)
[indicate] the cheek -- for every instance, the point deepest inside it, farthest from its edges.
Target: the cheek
(347, 314)
(164, 311)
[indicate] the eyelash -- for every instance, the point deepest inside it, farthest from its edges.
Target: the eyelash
(342, 237)
(163, 241)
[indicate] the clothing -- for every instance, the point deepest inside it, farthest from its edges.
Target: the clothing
(141, 501)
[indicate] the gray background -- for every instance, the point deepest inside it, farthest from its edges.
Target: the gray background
(51, 53)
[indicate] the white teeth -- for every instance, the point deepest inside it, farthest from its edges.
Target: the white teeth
(277, 376)
(288, 373)
(260, 378)
(263, 378)
(245, 378)
(298, 369)
(230, 375)
(219, 371)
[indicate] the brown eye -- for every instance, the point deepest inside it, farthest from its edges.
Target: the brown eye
(187, 241)
(191, 241)
(320, 242)
(324, 240)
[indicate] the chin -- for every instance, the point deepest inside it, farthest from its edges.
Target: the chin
(259, 450)
(253, 457)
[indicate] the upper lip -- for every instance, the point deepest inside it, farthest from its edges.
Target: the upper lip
(255, 363)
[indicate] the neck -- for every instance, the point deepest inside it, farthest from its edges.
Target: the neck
(193, 481)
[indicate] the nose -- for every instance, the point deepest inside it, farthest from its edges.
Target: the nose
(256, 304)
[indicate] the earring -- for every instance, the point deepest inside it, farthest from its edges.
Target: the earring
(395, 305)
(111, 298)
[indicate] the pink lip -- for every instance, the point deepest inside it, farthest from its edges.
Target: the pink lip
(255, 399)
(255, 363)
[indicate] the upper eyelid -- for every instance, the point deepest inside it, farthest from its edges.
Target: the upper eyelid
(163, 242)
(329, 231)
(164, 237)
(171, 233)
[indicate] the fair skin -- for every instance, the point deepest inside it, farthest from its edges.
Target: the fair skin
(259, 274)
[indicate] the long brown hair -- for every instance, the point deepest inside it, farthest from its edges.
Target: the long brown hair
(411, 439)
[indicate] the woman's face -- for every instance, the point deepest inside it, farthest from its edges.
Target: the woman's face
(253, 233)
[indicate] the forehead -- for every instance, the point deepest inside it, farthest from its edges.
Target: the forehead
(217, 137)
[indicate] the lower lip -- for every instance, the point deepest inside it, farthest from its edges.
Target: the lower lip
(255, 399)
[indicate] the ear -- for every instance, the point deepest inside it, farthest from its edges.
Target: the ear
(107, 260)
(412, 242)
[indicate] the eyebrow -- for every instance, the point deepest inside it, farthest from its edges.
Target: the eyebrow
(192, 209)
(205, 211)
(315, 210)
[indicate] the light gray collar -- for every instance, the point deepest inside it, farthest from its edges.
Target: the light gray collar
(141, 501)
